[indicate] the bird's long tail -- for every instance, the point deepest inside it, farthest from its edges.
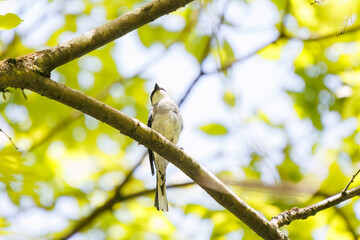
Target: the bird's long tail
(161, 202)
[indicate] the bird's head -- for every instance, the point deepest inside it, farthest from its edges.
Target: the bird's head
(158, 94)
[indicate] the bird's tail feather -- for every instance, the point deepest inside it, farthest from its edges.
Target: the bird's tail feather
(161, 202)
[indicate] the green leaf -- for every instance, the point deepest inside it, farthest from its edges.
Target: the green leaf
(197, 46)
(214, 129)
(150, 34)
(197, 210)
(229, 98)
(336, 179)
(288, 170)
(227, 54)
(271, 52)
(9, 21)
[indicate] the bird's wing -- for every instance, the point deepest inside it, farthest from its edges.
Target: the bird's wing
(151, 154)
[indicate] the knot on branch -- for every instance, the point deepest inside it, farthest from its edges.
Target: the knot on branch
(286, 217)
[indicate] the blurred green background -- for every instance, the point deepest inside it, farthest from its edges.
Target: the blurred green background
(269, 93)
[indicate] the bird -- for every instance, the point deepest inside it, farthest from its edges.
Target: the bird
(166, 119)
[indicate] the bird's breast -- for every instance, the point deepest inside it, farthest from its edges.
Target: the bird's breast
(167, 121)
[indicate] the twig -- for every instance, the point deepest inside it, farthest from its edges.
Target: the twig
(205, 53)
(201, 73)
(323, 37)
(351, 181)
(130, 174)
(109, 204)
(243, 58)
(9, 139)
(192, 85)
(347, 221)
(317, 2)
(285, 218)
(348, 18)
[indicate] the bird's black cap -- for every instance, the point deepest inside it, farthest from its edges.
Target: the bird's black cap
(156, 88)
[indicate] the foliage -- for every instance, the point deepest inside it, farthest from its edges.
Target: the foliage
(9, 21)
(279, 111)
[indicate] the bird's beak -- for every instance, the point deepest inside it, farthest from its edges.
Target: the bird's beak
(156, 87)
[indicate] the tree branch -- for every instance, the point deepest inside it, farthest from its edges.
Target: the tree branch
(295, 213)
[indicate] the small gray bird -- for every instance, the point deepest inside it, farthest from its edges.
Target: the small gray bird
(165, 118)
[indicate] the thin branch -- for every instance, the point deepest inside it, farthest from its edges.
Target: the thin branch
(295, 213)
(243, 58)
(130, 174)
(347, 221)
(109, 204)
(192, 85)
(317, 2)
(205, 53)
(284, 36)
(201, 73)
(351, 181)
(9, 139)
(348, 18)
(323, 37)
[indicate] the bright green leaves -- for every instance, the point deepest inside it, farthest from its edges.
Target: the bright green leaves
(224, 53)
(336, 180)
(197, 46)
(224, 222)
(271, 52)
(229, 98)
(150, 34)
(9, 21)
(322, 19)
(17, 173)
(315, 98)
(199, 211)
(214, 129)
(306, 107)
(289, 170)
(253, 170)
(351, 106)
